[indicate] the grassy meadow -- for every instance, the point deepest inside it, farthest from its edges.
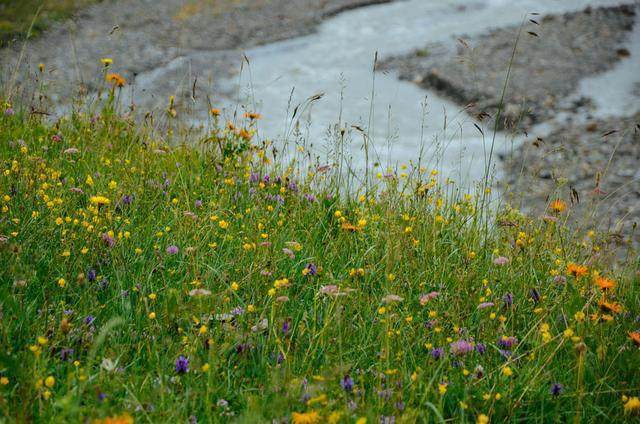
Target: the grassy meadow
(152, 275)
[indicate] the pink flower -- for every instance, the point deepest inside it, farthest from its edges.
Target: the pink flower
(424, 298)
(501, 260)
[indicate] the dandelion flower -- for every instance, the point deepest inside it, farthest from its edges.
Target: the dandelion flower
(311, 417)
(632, 405)
(116, 80)
(577, 270)
(558, 206)
(605, 283)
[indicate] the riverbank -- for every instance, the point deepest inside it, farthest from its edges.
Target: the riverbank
(593, 166)
(164, 36)
(553, 54)
(569, 157)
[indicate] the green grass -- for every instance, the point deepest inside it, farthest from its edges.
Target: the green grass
(300, 286)
(16, 16)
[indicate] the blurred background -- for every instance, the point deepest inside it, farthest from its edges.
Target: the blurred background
(541, 96)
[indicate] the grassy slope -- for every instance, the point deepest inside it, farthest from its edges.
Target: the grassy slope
(231, 233)
(16, 16)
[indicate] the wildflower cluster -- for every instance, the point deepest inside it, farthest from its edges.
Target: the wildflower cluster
(144, 278)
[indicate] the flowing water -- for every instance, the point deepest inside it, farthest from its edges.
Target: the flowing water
(337, 61)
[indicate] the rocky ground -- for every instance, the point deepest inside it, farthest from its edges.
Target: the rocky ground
(592, 164)
(594, 167)
(553, 54)
(160, 39)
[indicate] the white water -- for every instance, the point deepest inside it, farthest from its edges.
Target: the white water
(339, 57)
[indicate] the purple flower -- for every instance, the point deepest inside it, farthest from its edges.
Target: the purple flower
(66, 354)
(91, 275)
(182, 365)
(9, 112)
(485, 305)
(506, 354)
(198, 203)
(102, 396)
(237, 311)
(310, 197)
(108, 240)
(507, 342)
(461, 347)
(172, 250)
(347, 383)
(242, 347)
(560, 280)
(437, 353)
(556, 389)
(312, 269)
(292, 186)
(104, 283)
(254, 178)
(285, 327)
(481, 348)
(266, 179)
(508, 300)
(89, 319)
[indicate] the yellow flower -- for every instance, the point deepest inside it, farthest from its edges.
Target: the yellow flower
(507, 371)
(632, 405)
(152, 315)
(223, 224)
(205, 367)
(4, 380)
(442, 388)
(62, 282)
(106, 61)
(50, 381)
(311, 417)
(99, 200)
(482, 419)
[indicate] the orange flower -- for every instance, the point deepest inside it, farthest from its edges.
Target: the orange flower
(605, 283)
(244, 134)
(635, 337)
(558, 206)
(577, 270)
(610, 307)
(252, 115)
(350, 227)
(116, 79)
(215, 112)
